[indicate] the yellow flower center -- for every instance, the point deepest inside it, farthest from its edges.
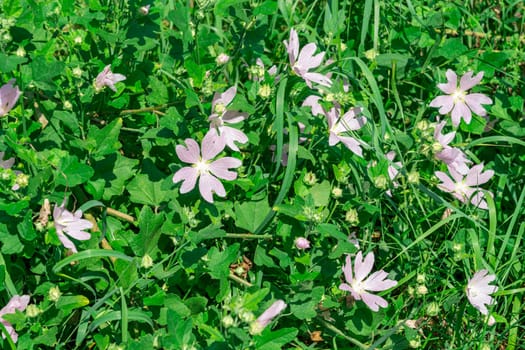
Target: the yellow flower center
(220, 108)
(459, 96)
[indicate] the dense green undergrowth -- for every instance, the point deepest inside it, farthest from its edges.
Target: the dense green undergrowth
(173, 169)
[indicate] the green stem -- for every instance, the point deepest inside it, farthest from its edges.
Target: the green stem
(248, 236)
(341, 334)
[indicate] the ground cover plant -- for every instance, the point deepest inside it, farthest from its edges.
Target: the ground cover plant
(262, 174)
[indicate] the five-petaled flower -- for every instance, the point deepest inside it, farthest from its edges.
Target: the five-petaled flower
(465, 187)
(452, 156)
(203, 168)
(339, 125)
(9, 94)
(457, 100)
(71, 224)
(305, 60)
(267, 316)
(220, 115)
(108, 78)
(16, 303)
(479, 290)
(359, 287)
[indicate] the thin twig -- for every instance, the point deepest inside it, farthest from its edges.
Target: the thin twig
(120, 215)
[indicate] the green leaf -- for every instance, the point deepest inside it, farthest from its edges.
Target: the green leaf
(9, 64)
(219, 262)
(269, 340)
(321, 193)
(451, 48)
(209, 232)
(266, 8)
(106, 139)
(304, 304)
(13, 208)
(476, 126)
(10, 243)
(144, 191)
(45, 71)
(149, 232)
(68, 303)
(250, 215)
(71, 172)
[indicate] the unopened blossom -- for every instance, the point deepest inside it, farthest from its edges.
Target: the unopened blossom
(302, 243)
(457, 100)
(257, 72)
(221, 115)
(453, 157)
(340, 125)
(16, 303)
(9, 94)
(301, 62)
(479, 290)
(267, 316)
(70, 224)
(222, 59)
(203, 168)
(108, 78)
(465, 187)
(144, 10)
(359, 287)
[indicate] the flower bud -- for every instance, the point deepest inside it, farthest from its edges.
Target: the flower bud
(302, 243)
(381, 182)
(421, 278)
(54, 294)
(20, 52)
(227, 321)
(432, 309)
(421, 289)
(337, 192)
(222, 59)
(413, 177)
(146, 262)
(264, 91)
(144, 10)
(352, 217)
(310, 178)
(33, 310)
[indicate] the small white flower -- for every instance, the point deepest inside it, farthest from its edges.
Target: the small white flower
(478, 291)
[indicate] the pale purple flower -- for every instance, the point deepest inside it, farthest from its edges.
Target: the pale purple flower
(203, 168)
(302, 243)
(71, 224)
(108, 78)
(393, 170)
(312, 101)
(16, 303)
(9, 94)
(339, 125)
(267, 316)
(272, 70)
(453, 157)
(220, 115)
(479, 290)
(457, 100)
(359, 287)
(465, 187)
(302, 62)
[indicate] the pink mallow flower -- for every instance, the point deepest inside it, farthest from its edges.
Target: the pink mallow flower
(465, 187)
(457, 100)
(203, 168)
(108, 78)
(9, 94)
(16, 303)
(359, 287)
(220, 115)
(71, 224)
(451, 156)
(479, 290)
(339, 125)
(302, 62)
(267, 316)
(302, 243)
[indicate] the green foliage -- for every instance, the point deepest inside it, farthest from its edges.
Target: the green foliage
(162, 269)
